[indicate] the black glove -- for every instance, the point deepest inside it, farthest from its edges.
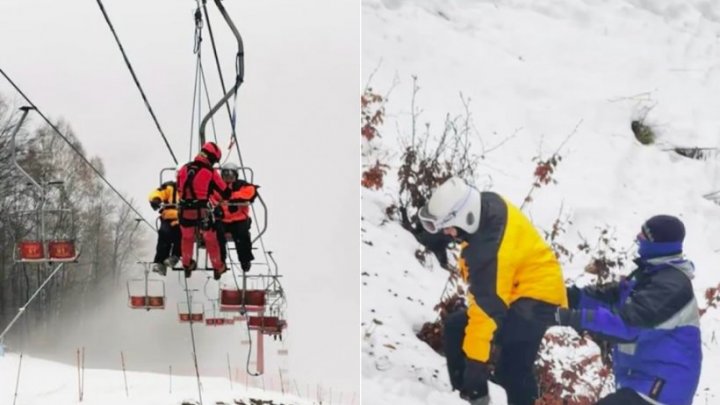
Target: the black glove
(155, 204)
(245, 266)
(569, 317)
(574, 294)
(475, 380)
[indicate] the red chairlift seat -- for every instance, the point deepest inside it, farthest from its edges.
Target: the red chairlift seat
(195, 313)
(146, 294)
(31, 251)
(187, 317)
(219, 321)
(268, 325)
(232, 299)
(62, 250)
(147, 302)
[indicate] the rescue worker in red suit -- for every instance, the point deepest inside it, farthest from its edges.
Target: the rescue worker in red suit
(197, 181)
(235, 217)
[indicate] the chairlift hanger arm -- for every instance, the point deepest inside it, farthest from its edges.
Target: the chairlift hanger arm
(240, 71)
(265, 219)
(13, 150)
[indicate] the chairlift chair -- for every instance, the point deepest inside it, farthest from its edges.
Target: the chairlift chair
(271, 324)
(146, 293)
(43, 248)
(193, 313)
(213, 318)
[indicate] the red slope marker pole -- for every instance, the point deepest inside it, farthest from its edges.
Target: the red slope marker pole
(17, 382)
(229, 371)
(122, 360)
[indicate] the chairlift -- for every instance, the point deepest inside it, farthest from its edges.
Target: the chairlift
(213, 318)
(193, 313)
(235, 300)
(44, 247)
(146, 293)
(268, 325)
(234, 297)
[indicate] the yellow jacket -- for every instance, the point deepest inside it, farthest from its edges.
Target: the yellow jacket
(167, 194)
(505, 260)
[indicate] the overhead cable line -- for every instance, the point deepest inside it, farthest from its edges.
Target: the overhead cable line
(75, 149)
(137, 83)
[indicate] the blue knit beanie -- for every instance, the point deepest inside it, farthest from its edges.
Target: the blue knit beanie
(661, 235)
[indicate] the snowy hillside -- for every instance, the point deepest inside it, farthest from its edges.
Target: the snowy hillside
(541, 77)
(107, 387)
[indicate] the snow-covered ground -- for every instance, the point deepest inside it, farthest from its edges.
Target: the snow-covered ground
(540, 70)
(46, 382)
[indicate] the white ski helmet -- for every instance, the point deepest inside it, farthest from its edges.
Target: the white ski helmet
(453, 203)
(230, 168)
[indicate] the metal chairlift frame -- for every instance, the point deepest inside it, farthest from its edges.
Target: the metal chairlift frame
(41, 210)
(147, 297)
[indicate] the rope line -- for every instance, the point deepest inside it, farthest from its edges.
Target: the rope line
(192, 338)
(75, 149)
(135, 79)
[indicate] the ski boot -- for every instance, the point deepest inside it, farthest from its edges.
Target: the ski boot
(218, 273)
(245, 266)
(159, 269)
(189, 269)
(171, 262)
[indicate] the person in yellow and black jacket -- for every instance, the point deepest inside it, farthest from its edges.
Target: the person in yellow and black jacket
(236, 215)
(167, 252)
(515, 286)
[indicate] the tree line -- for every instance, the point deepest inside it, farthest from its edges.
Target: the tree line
(103, 226)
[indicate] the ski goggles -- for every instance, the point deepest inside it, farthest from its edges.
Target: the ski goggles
(433, 223)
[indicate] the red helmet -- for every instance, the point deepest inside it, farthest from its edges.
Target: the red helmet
(212, 152)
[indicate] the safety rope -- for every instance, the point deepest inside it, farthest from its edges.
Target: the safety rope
(135, 79)
(207, 96)
(192, 114)
(75, 149)
(192, 338)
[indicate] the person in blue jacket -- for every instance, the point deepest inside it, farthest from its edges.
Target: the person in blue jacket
(651, 318)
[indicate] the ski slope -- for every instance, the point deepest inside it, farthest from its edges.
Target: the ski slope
(46, 382)
(541, 76)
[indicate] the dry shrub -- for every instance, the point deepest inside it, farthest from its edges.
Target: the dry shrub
(712, 299)
(373, 177)
(570, 370)
(372, 115)
(432, 332)
(432, 157)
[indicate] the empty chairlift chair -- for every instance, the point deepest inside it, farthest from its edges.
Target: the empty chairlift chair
(268, 325)
(146, 293)
(192, 313)
(233, 299)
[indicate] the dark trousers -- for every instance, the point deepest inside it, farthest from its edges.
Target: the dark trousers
(518, 342)
(624, 396)
(168, 241)
(240, 233)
